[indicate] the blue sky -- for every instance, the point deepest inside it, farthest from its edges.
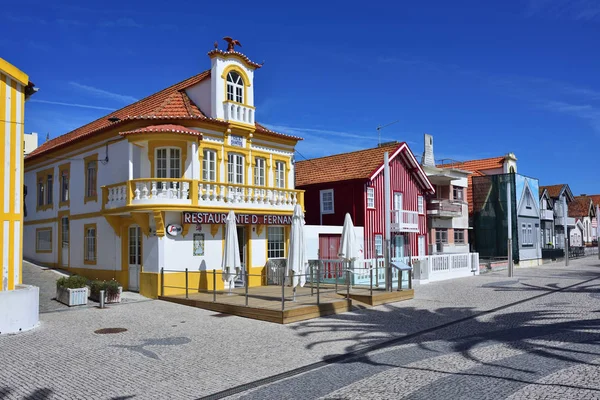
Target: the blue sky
(485, 78)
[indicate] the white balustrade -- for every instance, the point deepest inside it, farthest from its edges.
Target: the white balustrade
(404, 221)
(116, 196)
(155, 191)
(238, 113)
(243, 196)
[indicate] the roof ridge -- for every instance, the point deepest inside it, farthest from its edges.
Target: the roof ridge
(396, 145)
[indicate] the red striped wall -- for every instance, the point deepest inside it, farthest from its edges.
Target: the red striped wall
(401, 181)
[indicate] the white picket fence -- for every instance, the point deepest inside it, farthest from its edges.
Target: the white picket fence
(440, 267)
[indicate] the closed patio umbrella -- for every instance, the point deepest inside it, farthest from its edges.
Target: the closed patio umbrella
(231, 264)
(349, 246)
(297, 262)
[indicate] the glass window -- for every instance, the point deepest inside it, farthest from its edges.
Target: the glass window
(371, 197)
(441, 235)
(235, 87)
(327, 201)
(459, 236)
(379, 245)
(259, 171)
(49, 189)
(420, 204)
(91, 174)
(168, 164)
(209, 166)
(135, 247)
(65, 231)
(90, 244)
(279, 174)
(64, 186)
(276, 242)
(235, 168)
(40, 197)
(457, 193)
(43, 240)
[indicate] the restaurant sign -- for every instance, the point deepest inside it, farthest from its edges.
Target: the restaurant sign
(190, 217)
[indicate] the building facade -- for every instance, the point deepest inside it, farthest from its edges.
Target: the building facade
(560, 195)
(146, 188)
(447, 209)
(19, 304)
(30, 142)
(354, 183)
(584, 211)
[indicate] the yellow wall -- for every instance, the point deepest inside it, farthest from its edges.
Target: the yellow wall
(12, 105)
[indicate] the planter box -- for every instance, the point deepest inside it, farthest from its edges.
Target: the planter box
(72, 297)
(107, 299)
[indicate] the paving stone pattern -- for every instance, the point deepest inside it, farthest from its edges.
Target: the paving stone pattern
(544, 347)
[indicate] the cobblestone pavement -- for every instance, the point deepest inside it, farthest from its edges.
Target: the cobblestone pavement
(485, 337)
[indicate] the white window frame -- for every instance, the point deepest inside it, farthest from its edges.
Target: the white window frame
(420, 205)
(169, 168)
(323, 202)
(378, 242)
(276, 242)
(280, 174)
(209, 165)
(235, 87)
(456, 190)
(260, 171)
(235, 168)
(370, 197)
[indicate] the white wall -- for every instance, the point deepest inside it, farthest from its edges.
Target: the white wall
(108, 248)
(259, 247)
(29, 243)
(311, 238)
(179, 251)
(19, 309)
(30, 142)
(200, 95)
(217, 84)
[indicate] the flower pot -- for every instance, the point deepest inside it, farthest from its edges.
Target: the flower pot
(72, 297)
(116, 298)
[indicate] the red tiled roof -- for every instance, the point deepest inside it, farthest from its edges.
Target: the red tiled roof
(553, 190)
(166, 128)
(595, 198)
(360, 164)
(242, 56)
(170, 103)
(579, 207)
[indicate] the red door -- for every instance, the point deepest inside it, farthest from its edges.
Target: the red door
(329, 245)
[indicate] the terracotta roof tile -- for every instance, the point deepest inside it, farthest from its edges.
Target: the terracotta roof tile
(342, 167)
(595, 198)
(166, 128)
(169, 103)
(553, 190)
(579, 207)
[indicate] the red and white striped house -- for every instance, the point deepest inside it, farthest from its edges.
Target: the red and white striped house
(354, 183)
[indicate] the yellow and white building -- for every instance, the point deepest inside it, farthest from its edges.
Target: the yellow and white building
(19, 304)
(145, 188)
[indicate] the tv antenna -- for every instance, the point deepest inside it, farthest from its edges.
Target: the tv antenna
(380, 127)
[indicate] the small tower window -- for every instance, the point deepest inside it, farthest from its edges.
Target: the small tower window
(235, 87)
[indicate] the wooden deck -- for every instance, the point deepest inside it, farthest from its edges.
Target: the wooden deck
(264, 302)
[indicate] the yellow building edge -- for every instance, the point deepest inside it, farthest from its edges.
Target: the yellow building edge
(14, 72)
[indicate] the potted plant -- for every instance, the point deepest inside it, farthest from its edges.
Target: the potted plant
(112, 291)
(72, 290)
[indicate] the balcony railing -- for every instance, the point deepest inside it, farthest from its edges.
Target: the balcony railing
(444, 208)
(547, 215)
(405, 221)
(187, 192)
(560, 221)
(238, 112)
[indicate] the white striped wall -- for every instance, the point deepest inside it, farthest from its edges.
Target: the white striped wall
(12, 101)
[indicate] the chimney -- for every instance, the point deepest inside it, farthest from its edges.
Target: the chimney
(428, 159)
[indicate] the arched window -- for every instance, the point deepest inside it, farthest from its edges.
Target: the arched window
(512, 170)
(235, 87)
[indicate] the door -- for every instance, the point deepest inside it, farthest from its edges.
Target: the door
(168, 165)
(421, 246)
(241, 234)
(64, 255)
(397, 217)
(135, 257)
(398, 248)
(329, 246)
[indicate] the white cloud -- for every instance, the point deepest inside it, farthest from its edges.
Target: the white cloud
(58, 103)
(104, 93)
